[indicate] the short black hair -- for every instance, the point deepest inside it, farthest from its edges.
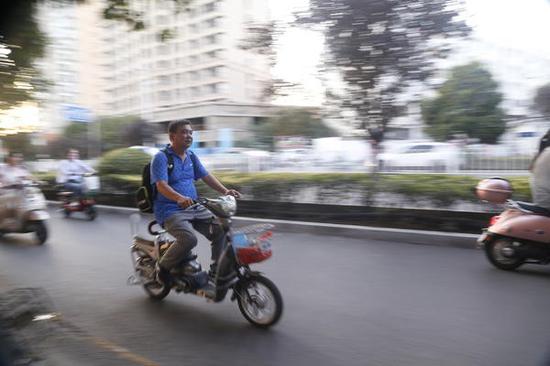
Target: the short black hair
(174, 126)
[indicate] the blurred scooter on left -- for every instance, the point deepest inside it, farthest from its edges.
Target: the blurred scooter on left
(23, 210)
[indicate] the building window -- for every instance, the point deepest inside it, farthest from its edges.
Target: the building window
(195, 91)
(163, 80)
(162, 19)
(212, 23)
(213, 71)
(163, 49)
(212, 55)
(212, 88)
(163, 64)
(210, 7)
(165, 96)
(212, 39)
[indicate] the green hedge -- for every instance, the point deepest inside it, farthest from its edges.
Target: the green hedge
(123, 161)
(440, 190)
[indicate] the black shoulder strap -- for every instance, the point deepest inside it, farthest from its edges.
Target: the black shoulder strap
(194, 161)
(170, 161)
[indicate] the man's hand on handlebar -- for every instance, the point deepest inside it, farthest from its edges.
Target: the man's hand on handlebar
(185, 202)
(232, 192)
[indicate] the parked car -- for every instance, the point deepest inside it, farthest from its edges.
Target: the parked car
(435, 156)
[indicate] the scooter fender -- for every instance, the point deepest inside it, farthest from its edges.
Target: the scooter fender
(516, 224)
(37, 215)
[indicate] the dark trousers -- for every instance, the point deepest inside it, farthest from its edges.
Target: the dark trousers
(73, 186)
(179, 226)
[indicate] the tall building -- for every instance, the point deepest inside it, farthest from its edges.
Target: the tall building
(197, 72)
(60, 65)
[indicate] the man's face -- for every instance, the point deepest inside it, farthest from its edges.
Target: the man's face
(72, 155)
(183, 138)
(15, 160)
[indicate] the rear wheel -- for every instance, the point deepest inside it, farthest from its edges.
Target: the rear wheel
(500, 253)
(260, 301)
(40, 231)
(152, 286)
(156, 290)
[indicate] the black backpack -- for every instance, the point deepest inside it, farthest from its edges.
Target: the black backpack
(145, 195)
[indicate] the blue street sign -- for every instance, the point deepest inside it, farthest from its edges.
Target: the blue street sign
(76, 113)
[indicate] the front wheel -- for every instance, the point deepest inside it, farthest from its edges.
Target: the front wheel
(40, 231)
(260, 301)
(500, 253)
(91, 212)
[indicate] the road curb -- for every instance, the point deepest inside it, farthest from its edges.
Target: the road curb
(410, 236)
(424, 237)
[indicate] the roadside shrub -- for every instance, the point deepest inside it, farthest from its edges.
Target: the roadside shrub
(435, 190)
(123, 162)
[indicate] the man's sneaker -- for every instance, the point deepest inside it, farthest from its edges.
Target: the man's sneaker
(208, 290)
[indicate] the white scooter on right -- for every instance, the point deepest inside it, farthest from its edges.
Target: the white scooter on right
(23, 210)
(520, 234)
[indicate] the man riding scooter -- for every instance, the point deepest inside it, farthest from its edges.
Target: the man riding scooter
(540, 180)
(70, 172)
(22, 204)
(12, 173)
(176, 192)
(521, 233)
(71, 175)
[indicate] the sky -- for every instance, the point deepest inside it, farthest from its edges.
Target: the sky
(509, 36)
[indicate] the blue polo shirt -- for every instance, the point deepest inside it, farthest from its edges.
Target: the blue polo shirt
(181, 180)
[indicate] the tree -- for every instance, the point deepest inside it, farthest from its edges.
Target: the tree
(291, 122)
(467, 103)
(21, 43)
(20, 142)
(119, 132)
(261, 39)
(542, 100)
(75, 136)
(380, 47)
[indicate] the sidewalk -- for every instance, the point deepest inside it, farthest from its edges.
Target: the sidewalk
(32, 333)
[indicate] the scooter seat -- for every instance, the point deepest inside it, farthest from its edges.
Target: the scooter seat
(537, 210)
(140, 240)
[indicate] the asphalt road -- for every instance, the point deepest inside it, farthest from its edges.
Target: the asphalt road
(347, 302)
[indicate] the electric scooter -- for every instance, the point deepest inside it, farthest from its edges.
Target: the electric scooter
(70, 203)
(518, 235)
(23, 210)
